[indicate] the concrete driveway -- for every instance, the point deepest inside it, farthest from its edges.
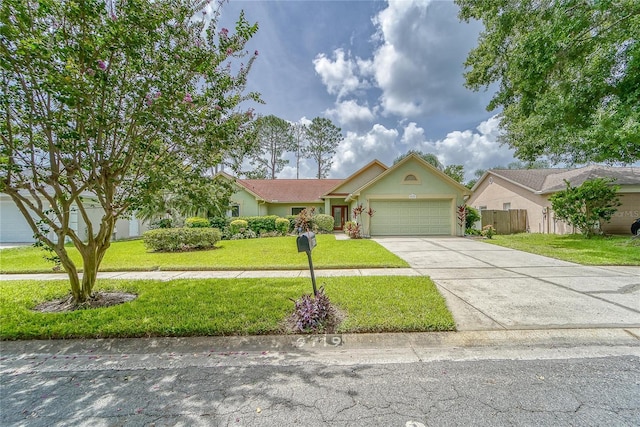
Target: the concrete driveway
(488, 287)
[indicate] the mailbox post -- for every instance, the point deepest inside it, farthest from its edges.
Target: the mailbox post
(306, 242)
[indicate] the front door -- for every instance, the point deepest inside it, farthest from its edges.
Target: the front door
(339, 214)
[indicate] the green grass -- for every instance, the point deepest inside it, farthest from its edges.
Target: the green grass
(221, 307)
(614, 250)
(275, 253)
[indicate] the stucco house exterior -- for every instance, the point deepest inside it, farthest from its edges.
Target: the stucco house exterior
(409, 198)
(15, 229)
(530, 189)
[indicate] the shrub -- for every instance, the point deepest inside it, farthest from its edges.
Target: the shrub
(245, 234)
(292, 221)
(472, 232)
(162, 223)
(196, 222)
(353, 229)
(471, 217)
(311, 314)
(324, 222)
(219, 222)
(261, 224)
(180, 239)
(283, 225)
(238, 226)
(304, 221)
(488, 231)
(587, 206)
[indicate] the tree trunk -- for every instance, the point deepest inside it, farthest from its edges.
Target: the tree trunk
(92, 254)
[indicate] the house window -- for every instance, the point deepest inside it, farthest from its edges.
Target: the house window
(296, 211)
(235, 211)
(506, 206)
(410, 178)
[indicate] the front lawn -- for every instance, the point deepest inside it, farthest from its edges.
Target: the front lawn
(614, 250)
(196, 307)
(274, 253)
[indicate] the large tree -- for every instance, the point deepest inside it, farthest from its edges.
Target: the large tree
(299, 138)
(275, 138)
(109, 101)
(567, 75)
(322, 139)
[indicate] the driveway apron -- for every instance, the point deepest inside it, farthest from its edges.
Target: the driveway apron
(488, 287)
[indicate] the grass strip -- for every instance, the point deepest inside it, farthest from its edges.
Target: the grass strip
(273, 253)
(194, 307)
(612, 250)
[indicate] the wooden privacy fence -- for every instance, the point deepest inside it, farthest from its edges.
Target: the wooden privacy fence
(506, 222)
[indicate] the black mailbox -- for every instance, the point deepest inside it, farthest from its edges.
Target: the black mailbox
(306, 241)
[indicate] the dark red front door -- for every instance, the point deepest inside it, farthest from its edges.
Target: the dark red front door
(339, 214)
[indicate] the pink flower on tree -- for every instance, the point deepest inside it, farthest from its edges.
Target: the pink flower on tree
(217, 107)
(187, 98)
(224, 32)
(255, 53)
(102, 65)
(229, 51)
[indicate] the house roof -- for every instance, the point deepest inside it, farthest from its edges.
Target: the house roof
(289, 190)
(545, 181)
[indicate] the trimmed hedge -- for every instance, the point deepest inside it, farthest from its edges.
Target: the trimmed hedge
(324, 222)
(238, 226)
(197, 222)
(181, 239)
(282, 225)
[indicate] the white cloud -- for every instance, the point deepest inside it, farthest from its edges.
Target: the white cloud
(359, 149)
(418, 63)
(413, 135)
(338, 75)
(351, 114)
(474, 150)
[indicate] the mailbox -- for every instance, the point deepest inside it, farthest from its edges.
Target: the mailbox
(306, 241)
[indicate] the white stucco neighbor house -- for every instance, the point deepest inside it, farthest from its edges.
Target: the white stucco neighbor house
(15, 229)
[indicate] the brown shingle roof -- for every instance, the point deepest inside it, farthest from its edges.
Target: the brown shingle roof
(290, 190)
(545, 181)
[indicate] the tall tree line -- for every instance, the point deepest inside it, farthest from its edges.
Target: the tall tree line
(272, 138)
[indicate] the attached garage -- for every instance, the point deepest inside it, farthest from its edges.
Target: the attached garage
(411, 217)
(13, 227)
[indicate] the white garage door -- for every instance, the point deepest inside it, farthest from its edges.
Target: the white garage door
(13, 227)
(411, 217)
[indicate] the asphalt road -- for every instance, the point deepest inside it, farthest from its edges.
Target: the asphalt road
(585, 379)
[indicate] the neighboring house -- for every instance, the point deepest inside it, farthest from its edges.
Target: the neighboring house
(409, 198)
(530, 189)
(15, 229)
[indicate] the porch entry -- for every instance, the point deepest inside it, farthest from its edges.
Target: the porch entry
(339, 214)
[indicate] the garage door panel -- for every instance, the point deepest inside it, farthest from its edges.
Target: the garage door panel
(415, 217)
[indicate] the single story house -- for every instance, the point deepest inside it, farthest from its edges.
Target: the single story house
(409, 198)
(15, 229)
(530, 189)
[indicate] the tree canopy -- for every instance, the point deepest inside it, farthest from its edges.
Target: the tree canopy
(567, 75)
(322, 139)
(275, 138)
(430, 158)
(113, 101)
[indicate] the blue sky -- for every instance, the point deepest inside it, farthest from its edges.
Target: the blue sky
(389, 74)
